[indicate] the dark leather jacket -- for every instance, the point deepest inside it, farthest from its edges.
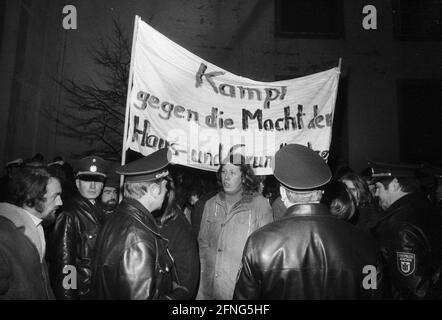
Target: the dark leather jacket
(72, 242)
(183, 245)
(308, 254)
(132, 261)
(410, 236)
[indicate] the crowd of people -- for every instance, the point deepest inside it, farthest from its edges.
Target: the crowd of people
(171, 232)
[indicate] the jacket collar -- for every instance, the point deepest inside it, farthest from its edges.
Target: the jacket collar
(308, 209)
(245, 199)
(88, 209)
(144, 215)
(398, 204)
(21, 219)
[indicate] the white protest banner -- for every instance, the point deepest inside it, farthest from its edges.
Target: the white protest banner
(203, 112)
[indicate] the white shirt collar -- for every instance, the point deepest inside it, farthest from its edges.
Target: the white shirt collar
(36, 220)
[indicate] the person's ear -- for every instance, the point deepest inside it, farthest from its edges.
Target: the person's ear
(154, 189)
(77, 183)
(395, 185)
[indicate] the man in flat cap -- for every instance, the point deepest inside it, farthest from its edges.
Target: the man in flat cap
(133, 262)
(409, 233)
(72, 242)
(308, 254)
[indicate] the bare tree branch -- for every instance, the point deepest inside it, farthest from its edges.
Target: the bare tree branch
(95, 112)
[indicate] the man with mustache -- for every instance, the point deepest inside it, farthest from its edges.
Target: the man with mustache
(72, 243)
(35, 196)
(109, 197)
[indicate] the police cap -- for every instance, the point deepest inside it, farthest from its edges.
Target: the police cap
(92, 168)
(300, 168)
(15, 163)
(382, 170)
(149, 168)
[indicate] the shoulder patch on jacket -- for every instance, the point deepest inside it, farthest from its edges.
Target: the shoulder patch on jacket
(406, 263)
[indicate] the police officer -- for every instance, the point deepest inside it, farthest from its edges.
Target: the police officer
(309, 254)
(133, 261)
(72, 242)
(409, 232)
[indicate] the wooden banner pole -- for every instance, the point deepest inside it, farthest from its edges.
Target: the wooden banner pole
(129, 90)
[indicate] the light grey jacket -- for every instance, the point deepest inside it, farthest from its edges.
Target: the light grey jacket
(222, 239)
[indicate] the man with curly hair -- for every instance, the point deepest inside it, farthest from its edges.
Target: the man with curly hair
(228, 219)
(35, 195)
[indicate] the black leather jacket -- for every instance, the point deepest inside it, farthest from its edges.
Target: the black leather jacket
(72, 242)
(183, 245)
(132, 261)
(410, 236)
(308, 254)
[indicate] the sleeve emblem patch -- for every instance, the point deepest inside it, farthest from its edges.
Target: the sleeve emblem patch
(406, 263)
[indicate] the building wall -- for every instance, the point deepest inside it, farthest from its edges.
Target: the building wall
(235, 35)
(29, 61)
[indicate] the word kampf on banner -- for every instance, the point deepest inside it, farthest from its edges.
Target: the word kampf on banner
(231, 91)
(203, 112)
